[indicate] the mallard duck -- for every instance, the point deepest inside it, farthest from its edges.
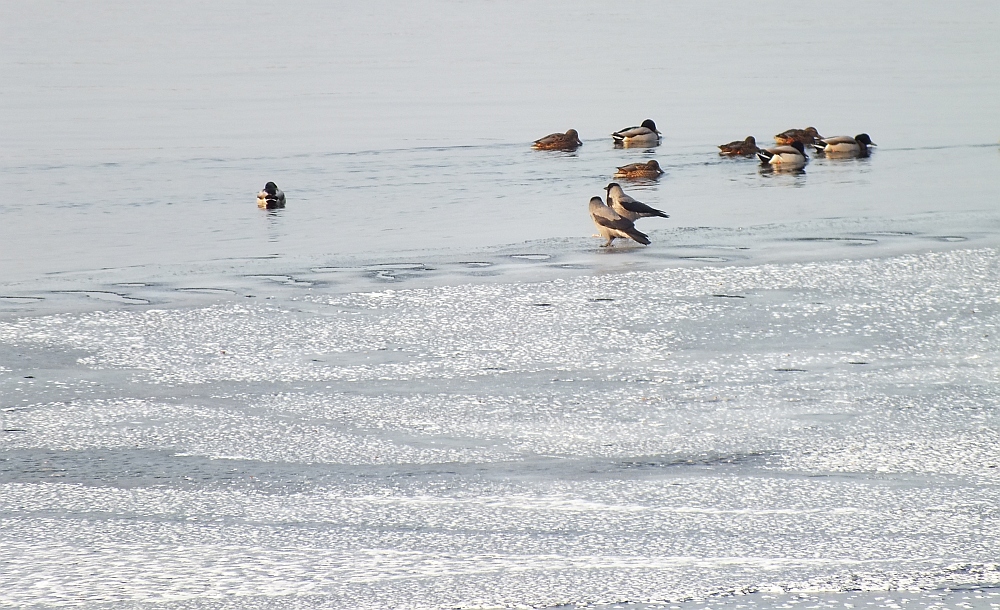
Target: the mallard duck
(270, 197)
(612, 225)
(807, 136)
(786, 157)
(558, 141)
(649, 169)
(740, 148)
(643, 135)
(627, 207)
(845, 146)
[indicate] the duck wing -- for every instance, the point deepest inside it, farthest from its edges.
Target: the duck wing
(837, 140)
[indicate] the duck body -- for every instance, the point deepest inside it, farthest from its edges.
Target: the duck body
(807, 136)
(845, 146)
(785, 157)
(740, 148)
(649, 169)
(558, 141)
(627, 207)
(270, 197)
(611, 225)
(642, 135)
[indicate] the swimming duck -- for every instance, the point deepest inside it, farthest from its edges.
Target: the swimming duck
(807, 136)
(270, 197)
(558, 141)
(627, 207)
(786, 157)
(740, 148)
(643, 135)
(845, 146)
(612, 226)
(649, 169)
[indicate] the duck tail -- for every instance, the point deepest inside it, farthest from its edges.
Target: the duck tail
(765, 157)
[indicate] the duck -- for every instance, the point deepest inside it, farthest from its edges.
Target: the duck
(786, 157)
(740, 148)
(807, 136)
(612, 226)
(643, 135)
(627, 207)
(845, 146)
(649, 169)
(270, 197)
(558, 141)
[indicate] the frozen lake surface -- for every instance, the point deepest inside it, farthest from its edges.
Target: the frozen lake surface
(423, 384)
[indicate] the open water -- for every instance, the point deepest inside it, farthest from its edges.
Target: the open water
(423, 384)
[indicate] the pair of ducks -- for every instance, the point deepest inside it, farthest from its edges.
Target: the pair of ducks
(790, 152)
(640, 135)
(616, 219)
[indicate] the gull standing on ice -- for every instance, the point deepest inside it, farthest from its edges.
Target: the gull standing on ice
(627, 207)
(270, 197)
(643, 135)
(611, 226)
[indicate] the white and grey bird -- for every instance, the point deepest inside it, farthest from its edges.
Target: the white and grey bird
(627, 207)
(784, 157)
(270, 197)
(612, 225)
(643, 135)
(845, 146)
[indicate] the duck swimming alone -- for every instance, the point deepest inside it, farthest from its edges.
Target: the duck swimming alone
(740, 148)
(649, 169)
(558, 141)
(785, 157)
(643, 135)
(612, 225)
(627, 207)
(270, 197)
(807, 136)
(845, 146)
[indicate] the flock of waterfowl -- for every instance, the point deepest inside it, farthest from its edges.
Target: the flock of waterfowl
(616, 218)
(790, 151)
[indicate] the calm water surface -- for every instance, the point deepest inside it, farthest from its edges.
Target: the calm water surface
(423, 384)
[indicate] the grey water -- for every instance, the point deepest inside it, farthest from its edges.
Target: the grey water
(423, 384)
